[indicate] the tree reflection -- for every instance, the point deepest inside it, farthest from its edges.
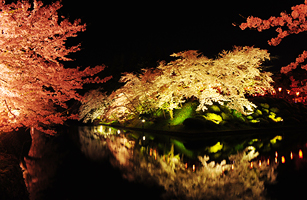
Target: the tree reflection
(235, 180)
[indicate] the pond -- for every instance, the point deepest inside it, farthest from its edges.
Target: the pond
(94, 161)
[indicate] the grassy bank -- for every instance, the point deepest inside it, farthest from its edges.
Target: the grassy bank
(270, 113)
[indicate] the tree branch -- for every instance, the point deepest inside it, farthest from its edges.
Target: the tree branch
(9, 109)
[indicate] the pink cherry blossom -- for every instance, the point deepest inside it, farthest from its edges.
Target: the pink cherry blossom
(292, 24)
(34, 85)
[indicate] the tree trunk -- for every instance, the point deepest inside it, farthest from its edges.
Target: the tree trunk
(39, 140)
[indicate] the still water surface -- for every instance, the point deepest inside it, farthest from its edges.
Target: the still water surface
(93, 162)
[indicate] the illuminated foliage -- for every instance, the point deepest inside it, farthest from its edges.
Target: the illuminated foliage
(226, 79)
(286, 25)
(213, 117)
(278, 137)
(181, 114)
(95, 104)
(215, 148)
(33, 82)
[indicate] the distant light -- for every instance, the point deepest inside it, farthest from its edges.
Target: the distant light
(297, 93)
(279, 89)
(193, 168)
(276, 154)
(252, 165)
(143, 120)
(155, 154)
(118, 131)
(300, 154)
(268, 161)
(283, 160)
(100, 129)
(144, 137)
(259, 163)
(232, 167)
(291, 155)
(186, 165)
(275, 159)
(288, 91)
(150, 153)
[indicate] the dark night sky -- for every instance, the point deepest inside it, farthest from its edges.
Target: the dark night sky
(129, 36)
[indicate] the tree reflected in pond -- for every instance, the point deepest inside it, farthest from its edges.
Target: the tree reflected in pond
(235, 180)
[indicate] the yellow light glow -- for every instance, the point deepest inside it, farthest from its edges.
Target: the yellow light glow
(100, 130)
(255, 121)
(193, 168)
(268, 161)
(214, 118)
(283, 160)
(215, 148)
(274, 118)
(300, 154)
(291, 155)
(279, 89)
(260, 163)
(273, 141)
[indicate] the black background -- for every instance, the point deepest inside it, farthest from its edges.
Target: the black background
(128, 36)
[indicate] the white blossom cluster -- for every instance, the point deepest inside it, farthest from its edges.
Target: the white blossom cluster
(226, 79)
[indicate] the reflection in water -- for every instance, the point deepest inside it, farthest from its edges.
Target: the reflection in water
(142, 161)
(98, 142)
(209, 180)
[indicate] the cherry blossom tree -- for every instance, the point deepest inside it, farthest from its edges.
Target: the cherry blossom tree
(285, 25)
(226, 79)
(33, 81)
(132, 98)
(95, 104)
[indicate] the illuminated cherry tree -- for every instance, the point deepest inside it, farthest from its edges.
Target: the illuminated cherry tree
(33, 82)
(226, 79)
(132, 98)
(285, 25)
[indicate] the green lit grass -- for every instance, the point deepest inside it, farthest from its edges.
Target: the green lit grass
(181, 114)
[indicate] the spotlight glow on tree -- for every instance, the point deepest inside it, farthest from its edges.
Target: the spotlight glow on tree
(225, 79)
(33, 82)
(228, 78)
